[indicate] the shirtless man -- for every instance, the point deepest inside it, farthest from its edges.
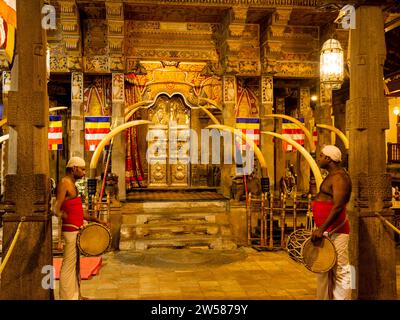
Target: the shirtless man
(69, 208)
(329, 212)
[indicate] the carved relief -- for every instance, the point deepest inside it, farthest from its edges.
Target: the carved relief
(267, 89)
(59, 64)
(77, 87)
(118, 87)
(97, 64)
(95, 37)
(229, 89)
(363, 113)
(117, 63)
(6, 81)
(293, 69)
(304, 100)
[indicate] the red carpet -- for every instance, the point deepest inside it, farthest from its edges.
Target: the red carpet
(90, 266)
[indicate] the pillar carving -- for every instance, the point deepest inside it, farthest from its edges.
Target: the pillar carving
(303, 175)
(115, 35)
(267, 124)
(119, 147)
(372, 247)
(228, 114)
(77, 126)
(323, 115)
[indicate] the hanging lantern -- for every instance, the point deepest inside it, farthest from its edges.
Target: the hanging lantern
(331, 64)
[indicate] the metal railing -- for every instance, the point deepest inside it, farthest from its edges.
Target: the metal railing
(393, 150)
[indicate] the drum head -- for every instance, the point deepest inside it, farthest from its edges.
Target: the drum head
(320, 256)
(94, 239)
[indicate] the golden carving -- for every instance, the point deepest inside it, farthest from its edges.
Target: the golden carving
(114, 10)
(117, 63)
(267, 89)
(97, 64)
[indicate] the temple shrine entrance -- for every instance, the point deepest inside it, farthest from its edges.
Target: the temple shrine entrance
(168, 143)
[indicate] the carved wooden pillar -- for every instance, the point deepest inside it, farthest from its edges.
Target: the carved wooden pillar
(280, 154)
(76, 148)
(118, 149)
(267, 124)
(372, 244)
(303, 174)
(27, 189)
(323, 115)
(228, 114)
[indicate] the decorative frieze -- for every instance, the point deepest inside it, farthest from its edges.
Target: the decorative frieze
(98, 64)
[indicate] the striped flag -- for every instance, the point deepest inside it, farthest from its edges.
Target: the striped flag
(249, 127)
(55, 133)
(293, 131)
(96, 128)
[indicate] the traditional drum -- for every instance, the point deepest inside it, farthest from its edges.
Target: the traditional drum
(93, 239)
(316, 257)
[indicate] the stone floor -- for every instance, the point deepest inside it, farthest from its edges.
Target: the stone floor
(199, 275)
(244, 274)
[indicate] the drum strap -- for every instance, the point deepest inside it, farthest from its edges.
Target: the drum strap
(337, 227)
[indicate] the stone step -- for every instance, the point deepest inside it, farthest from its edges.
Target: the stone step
(167, 206)
(183, 241)
(167, 230)
(183, 217)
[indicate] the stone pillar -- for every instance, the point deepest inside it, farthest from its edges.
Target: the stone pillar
(267, 124)
(76, 148)
(119, 143)
(372, 244)
(228, 114)
(280, 154)
(323, 115)
(27, 192)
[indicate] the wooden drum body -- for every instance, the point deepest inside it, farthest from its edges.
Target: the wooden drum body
(93, 239)
(317, 257)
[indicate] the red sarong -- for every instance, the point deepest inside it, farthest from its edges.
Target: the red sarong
(321, 211)
(74, 210)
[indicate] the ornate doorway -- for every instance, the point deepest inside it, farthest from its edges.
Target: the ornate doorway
(168, 143)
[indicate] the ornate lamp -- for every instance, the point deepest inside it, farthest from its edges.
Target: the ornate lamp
(331, 64)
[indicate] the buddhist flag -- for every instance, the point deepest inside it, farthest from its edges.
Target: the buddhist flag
(293, 131)
(96, 128)
(8, 25)
(249, 127)
(55, 133)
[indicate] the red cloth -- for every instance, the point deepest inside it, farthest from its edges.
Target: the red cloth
(321, 211)
(89, 266)
(74, 210)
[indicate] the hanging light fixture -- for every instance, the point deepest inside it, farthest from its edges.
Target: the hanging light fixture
(331, 64)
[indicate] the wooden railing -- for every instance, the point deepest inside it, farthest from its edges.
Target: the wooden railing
(393, 152)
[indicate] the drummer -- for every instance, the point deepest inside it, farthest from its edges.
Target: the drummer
(69, 207)
(329, 212)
